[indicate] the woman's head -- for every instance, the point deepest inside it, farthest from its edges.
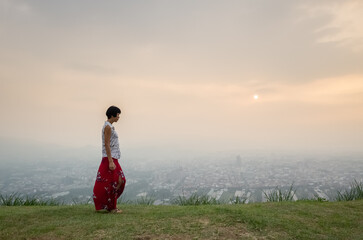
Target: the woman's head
(113, 111)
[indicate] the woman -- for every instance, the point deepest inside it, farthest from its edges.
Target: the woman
(110, 181)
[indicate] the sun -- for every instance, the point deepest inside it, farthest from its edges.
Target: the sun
(255, 97)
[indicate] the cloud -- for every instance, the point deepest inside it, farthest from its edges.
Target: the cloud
(338, 90)
(346, 89)
(344, 24)
(10, 10)
(17, 7)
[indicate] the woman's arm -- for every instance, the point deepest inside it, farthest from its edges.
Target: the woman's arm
(111, 165)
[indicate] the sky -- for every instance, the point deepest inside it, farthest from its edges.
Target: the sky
(186, 74)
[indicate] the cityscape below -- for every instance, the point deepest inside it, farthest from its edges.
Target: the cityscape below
(223, 178)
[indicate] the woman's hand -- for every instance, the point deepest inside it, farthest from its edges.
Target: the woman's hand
(111, 166)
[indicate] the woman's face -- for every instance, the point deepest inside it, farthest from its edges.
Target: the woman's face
(117, 117)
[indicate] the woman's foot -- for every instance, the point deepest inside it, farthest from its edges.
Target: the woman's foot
(116, 210)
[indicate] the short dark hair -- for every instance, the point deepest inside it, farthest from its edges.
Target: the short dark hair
(112, 111)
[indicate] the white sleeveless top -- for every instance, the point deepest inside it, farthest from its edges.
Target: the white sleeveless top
(114, 144)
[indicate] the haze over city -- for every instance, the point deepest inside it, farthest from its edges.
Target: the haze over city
(224, 98)
(184, 73)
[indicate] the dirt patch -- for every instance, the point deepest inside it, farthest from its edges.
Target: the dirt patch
(99, 234)
(207, 234)
(234, 233)
(204, 221)
(46, 238)
(163, 236)
(142, 238)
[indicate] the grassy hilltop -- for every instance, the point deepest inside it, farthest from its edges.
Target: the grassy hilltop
(271, 220)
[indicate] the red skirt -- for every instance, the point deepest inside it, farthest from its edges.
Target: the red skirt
(105, 191)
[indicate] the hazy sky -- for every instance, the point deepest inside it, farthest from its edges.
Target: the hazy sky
(184, 73)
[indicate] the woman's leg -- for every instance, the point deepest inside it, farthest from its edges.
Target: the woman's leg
(103, 195)
(120, 183)
(100, 195)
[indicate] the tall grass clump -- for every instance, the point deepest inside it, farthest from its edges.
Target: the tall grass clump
(195, 199)
(145, 201)
(15, 199)
(124, 200)
(10, 200)
(318, 198)
(238, 200)
(277, 195)
(355, 192)
(76, 201)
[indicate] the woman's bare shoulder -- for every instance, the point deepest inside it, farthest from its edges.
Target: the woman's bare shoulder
(107, 128)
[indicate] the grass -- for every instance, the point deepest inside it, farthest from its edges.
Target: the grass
(15, 199)
(270, 220)
(355, 192)
(145, 201)
(277, 195)
(195, 199)
(238, 200)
